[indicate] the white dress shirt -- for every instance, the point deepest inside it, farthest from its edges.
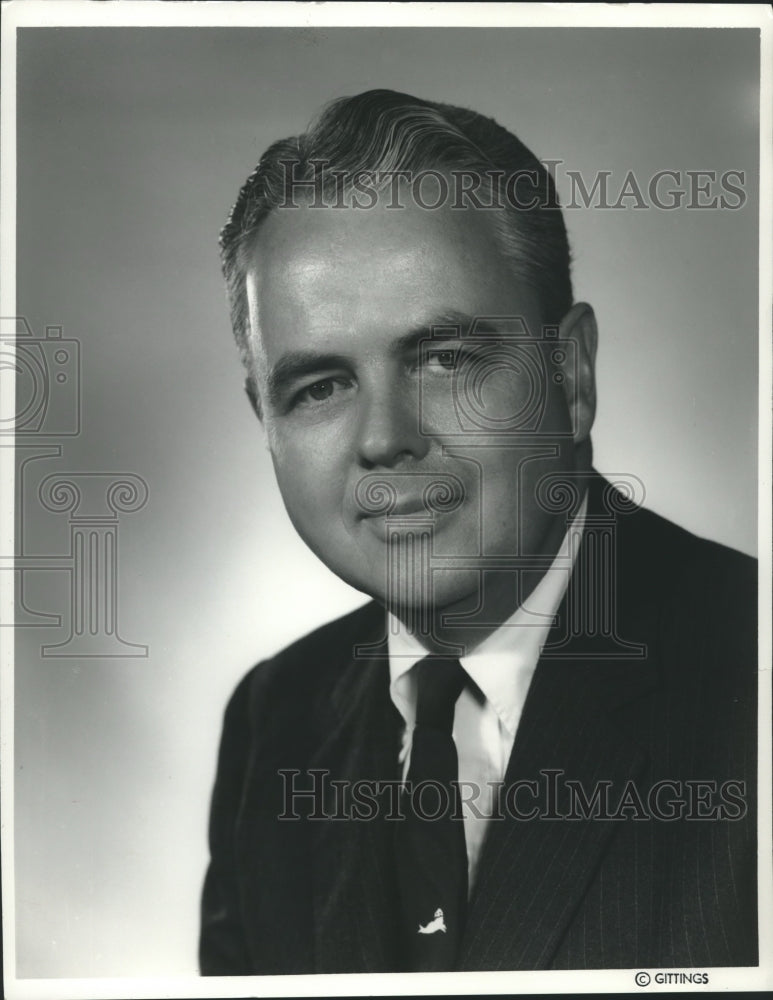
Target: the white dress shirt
(502, 667)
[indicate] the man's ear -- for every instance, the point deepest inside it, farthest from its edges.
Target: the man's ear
(579, 329)
(251, 388)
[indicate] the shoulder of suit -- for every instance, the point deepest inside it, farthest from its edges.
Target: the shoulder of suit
(684, 563)
(693, 601)
(654, 549)
(313, 662)
(704, 597)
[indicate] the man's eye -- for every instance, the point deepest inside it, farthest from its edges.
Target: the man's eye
(446, 359)
(321, 391)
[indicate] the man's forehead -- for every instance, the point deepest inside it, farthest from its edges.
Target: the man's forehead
(298, 236)
(342, 255)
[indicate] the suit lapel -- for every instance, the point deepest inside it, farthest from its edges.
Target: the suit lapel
(353, 883)
(579, 720)
(534, 872)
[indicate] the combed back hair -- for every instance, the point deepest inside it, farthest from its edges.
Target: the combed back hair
(381, 131)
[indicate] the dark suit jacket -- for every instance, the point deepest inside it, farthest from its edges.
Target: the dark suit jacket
(664, 692)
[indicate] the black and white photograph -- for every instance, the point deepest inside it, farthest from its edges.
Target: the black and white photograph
(386, 499)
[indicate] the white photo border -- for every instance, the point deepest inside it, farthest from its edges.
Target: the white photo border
(72, 13)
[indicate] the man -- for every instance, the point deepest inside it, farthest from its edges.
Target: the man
(569, 677)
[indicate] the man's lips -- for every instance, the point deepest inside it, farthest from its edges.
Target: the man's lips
(402, 508)
(378, 496)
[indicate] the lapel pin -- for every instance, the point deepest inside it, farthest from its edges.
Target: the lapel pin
(438, 924)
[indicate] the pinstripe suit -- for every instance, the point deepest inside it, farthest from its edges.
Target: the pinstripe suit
(614, 889)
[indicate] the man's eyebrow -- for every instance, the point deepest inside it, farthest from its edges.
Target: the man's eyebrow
(449, 325)
(296, 364)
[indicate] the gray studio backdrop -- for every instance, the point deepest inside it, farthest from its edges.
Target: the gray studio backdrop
(131, 146)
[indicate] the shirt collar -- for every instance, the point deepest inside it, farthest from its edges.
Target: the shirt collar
(503, 664)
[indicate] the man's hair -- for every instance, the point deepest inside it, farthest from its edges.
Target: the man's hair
(381, 131)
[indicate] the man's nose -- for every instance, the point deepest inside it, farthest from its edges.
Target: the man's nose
(389, 427)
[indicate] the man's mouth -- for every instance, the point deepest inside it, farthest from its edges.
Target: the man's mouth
(404, 508)
(380, 496)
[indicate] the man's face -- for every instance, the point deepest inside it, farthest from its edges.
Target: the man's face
(341, 301)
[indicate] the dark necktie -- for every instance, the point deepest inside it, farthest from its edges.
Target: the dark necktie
(430, 848)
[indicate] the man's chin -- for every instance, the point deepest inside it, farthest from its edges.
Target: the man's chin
(410, 594)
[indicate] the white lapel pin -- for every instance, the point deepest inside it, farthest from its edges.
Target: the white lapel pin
(438, 924)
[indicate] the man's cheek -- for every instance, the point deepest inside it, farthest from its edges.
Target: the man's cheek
(437, 411)
(305, 479)
(289, 445)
